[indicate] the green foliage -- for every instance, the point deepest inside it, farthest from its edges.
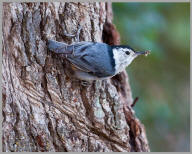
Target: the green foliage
(162, 79)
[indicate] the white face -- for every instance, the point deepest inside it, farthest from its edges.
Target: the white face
(123, 57)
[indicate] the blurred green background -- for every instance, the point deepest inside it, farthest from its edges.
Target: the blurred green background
(162, 79)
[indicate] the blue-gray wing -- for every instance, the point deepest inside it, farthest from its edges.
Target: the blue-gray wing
(93, 57)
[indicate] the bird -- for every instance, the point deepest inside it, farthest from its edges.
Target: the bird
(95, 60)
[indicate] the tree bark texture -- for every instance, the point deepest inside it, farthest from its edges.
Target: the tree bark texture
(43, 109)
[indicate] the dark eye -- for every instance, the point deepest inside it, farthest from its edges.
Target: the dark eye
(127, 52)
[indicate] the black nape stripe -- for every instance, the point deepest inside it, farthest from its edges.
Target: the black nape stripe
(110, 52)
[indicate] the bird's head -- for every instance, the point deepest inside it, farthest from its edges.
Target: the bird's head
(124, 55)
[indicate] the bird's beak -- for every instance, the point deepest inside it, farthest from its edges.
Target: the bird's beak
(137, 53)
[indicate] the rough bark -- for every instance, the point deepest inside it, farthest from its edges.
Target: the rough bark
(43, 109)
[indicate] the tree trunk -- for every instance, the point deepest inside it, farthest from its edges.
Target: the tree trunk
(43, 109)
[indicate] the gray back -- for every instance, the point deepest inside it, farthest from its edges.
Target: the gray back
(93, 57)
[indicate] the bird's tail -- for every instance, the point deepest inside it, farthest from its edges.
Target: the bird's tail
(58, 47)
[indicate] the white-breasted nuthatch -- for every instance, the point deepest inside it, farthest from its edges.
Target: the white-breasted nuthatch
(94, 60)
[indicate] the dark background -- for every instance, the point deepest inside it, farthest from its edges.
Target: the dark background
(162, 79)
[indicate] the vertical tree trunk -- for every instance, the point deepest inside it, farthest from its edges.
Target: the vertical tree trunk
(43, 109)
